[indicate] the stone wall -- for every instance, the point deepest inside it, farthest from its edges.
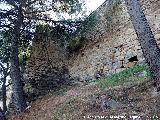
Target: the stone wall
(152, 12)
(46, 68)
(112, 46)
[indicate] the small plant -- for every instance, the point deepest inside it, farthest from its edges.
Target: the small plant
(155, 117)
(60, 92)
(76, 43)
(24, 54)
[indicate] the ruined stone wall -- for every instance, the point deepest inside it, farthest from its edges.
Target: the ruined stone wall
(112, 45)
(46, 69)
(45, 55)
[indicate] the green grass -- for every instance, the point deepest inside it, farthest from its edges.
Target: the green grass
(120, 78)
(60, 92)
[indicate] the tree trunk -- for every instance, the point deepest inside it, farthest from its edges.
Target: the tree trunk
(18, 94)
(2, 117)
(148, 43)
(4, 96)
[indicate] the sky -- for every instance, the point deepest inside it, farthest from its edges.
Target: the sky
(91, 5)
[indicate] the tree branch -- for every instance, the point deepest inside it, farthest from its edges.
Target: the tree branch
(8, 84)
(49, 20)
(1, 65)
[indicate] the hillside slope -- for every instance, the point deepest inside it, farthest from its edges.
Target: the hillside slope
(86, 101)
(91, 101)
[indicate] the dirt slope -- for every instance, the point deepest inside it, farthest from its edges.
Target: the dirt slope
(86, 102)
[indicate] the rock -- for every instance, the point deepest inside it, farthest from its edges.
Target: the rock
(141, 74)
(99, 74)
(119, 70)
(88, 78)
(130, 64)
(110, 104)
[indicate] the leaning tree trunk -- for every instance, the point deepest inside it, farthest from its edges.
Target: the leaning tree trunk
(18, 94)
(146, 39)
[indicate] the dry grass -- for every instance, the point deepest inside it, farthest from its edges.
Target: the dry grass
(135, 95)
(137, 99)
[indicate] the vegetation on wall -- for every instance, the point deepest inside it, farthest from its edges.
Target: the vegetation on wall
(24, 54)
(73, 35)
(90, 23)
(88, 26)
(63, 34)
(76, 43)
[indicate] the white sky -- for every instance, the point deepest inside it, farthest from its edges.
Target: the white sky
(93, 4)
(90, 5)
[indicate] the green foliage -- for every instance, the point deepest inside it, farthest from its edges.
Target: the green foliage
(4, 47)
(24, 54)
(69, 6)
(127, 75)
(90, 23)
(155, 117)
(60, 92)
(43, 31)
(79, 39)
(64, 35)
(76, 43)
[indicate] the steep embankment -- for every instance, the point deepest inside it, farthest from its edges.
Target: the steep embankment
(132, 96)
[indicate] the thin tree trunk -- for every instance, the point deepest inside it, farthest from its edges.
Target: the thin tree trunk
(3, 88)
(148, 43)
(4, 96)
(2, 117)
(18, 93)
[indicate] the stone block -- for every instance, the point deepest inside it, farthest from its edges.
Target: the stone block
(120, 70)
(130, 64)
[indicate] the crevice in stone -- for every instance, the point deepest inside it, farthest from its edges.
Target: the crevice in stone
(133, 59)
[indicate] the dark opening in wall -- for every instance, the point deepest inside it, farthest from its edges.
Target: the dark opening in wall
(97, 46)
(82, 54)
(122, 64)
(133, 59)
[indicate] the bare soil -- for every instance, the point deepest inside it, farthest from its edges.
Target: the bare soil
(138, 100)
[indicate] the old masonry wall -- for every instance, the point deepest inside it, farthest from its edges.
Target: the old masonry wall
(112, 47)
(113, 43)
